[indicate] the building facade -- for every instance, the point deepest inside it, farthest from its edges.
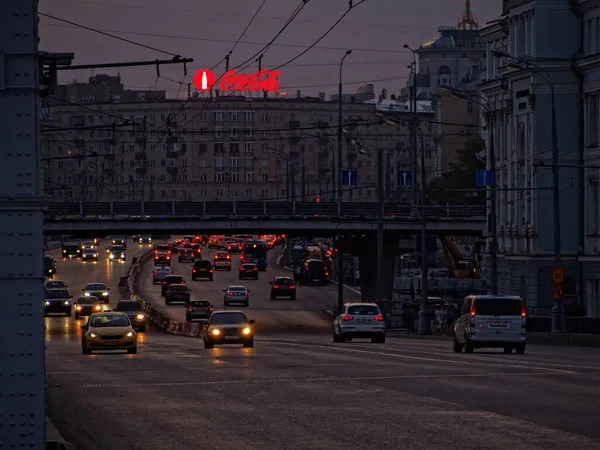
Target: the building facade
(545, 34)
(228, 148)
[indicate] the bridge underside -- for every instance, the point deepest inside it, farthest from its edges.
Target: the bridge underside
(307, 227)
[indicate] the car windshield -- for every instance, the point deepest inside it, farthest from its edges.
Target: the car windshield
(88, 242)
(164, 248)
(229, 317)
(363, 310)
(55, 284)
(498, 307)
(237, 289)
(95, 287)
(202, 264)
(175, 287)
(129, 306)
(118, 238)
(200, 304)
(173, 280)
(116, 248)
(89, 250)
(248, 266)
(112, 320)
(87, 301)
(222, 259)
(162, 270)
(57, 293)
(284, 281)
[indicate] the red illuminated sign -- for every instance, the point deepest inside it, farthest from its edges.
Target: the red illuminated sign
(265, 80)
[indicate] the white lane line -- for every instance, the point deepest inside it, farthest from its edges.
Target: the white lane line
(422, 358)
(304, 380)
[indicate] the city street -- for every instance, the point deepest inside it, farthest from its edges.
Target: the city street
(298, 390)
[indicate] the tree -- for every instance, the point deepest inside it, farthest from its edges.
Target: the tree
(453, 186)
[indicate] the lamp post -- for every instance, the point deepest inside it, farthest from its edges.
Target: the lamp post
(558, 312)
(491, 159)
(340, 193)
(413, 107)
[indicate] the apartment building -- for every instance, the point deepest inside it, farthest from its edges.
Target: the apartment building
(228, 148)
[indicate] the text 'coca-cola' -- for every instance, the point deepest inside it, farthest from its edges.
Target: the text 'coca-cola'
(264, 80)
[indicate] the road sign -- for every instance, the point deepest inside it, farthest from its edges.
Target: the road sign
(405, 178)
(484, 178)
(558, 293)
(558, 276)
(349, 177)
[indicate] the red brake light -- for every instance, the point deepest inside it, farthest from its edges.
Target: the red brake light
(346, 318)
(210, 270)
(255, 269)
(210, 309)
(523, 312)
(155, 252)
(190, 309)
(276, 286)
(164, 282)
(154, 274)
(228, 257)
(292, 287)
(242, 269)
(179, 254)
(379, 318)
(169, 252)
(194, 270)
(168, 257)
(473, 308)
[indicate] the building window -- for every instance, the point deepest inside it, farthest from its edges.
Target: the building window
(249, 162)
(265, 117)
(234, 132)
(249, 147)
(202, 117)
(219, 193)
(264, 177)
(249, 193)
(248, 177)
(202, 193)
(233, 116)
(470, 107)
(234, 193)
(249, 116)
(265, 193)
(219, 177)
(218, 131)
(283, 191)
(233, 162)
(218, 116)
(234, 147)
(219, 162)
(219, 147)
(202, 178)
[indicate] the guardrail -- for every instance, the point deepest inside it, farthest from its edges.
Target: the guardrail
(268, 209)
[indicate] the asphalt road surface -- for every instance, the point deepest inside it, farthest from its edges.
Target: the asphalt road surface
(298, 390)
(306, 313)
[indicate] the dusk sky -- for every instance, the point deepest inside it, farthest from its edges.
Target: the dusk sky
(206, 31)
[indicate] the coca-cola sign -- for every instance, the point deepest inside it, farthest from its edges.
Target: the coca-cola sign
(264, 80)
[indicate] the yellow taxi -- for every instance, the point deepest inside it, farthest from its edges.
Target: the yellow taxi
(108, 330)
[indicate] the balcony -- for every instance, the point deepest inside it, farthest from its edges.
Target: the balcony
(172, 170)
(172, 154)
(294, 124)
(140, 141)
(139, 156)
(171, 140)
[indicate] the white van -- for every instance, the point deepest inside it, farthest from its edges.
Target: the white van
(491, 321)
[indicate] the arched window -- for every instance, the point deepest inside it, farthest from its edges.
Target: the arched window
(445, 75)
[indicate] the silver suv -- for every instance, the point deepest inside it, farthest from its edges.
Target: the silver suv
(359, 320)
(491, 321)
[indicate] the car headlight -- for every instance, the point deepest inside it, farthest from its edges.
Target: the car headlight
(98, 308)
(216, 332)
(92, 335)
(130, 334)
(47, 303)
(112, 256)
(78, 308)
(87, 294)
(95, 255)
(64, 251)
(246, 330)
(139, 316)
(122, 255)
(105, 293)
(67, 302)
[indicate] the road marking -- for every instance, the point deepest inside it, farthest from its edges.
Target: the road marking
(304, 380)
(422, 358)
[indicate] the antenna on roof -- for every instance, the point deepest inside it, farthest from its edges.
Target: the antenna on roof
(467, 19)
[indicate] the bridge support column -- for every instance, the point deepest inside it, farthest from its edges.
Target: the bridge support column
(112, 208)
(173, 209)
(142, 207)
(80, 209)
(22, 415)
(369, 289)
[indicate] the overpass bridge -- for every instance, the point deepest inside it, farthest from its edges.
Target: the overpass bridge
(306, 218)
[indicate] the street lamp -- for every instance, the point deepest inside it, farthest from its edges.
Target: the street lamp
(558, 312)
(491, 158)
(339, 179)
(413, 99)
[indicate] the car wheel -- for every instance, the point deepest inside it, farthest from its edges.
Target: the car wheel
(468, 346)
(520, 350)
(336, 337)
(132, 351)
(208, 345)
(210, 279)
(507, 350)
(343, 337)
(457, 345)
(85, 350)
(249, 344)
(293, 297)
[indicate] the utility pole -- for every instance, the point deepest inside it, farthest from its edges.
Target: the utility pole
(96, 180)
(303, 186)
(143, 171)
(340, 162)
(380, 216)
(340, 275)
(493, 204)
(22, 415)
(424, 314)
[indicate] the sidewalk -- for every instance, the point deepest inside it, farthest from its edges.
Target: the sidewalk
(54, 441)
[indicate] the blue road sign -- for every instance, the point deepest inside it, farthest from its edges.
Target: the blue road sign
(484, 178)
(349, 177)
(405, 178)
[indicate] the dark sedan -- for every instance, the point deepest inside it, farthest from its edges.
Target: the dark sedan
(177, 293)
(228, 327)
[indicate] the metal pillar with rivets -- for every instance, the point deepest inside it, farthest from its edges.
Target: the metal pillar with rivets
(21, 231)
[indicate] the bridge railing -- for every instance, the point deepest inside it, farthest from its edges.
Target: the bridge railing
(250, 209)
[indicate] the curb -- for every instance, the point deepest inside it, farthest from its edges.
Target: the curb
(54, 440)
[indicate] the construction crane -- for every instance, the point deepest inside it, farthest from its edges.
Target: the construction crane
(458, 266)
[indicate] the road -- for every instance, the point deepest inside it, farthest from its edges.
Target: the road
(300, 391)
(280, 315)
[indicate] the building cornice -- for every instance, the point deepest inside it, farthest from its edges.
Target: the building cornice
(587, 5)
(589, 62)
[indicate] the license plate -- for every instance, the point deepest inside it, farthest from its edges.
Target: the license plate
(363, 321)
(497, 324)
(316, 279)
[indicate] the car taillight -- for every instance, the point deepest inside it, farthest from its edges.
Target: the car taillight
(276, 286)
(180, 254)
(292, 287)
(210, 309)
(346, 318)
(473, 309)
(155, 252)
(194, 270)
(378, 318)
(154, 274)
(229, 293)
(228, 257)
(242, 269)
(190, 309)
(164, 282)
(210, 270)
(254, 269)
(168, 257)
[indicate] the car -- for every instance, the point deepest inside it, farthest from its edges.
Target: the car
(97, 290)
(57, 301)
(116, 253)
(202, 269)
(359, 320)
(248, 270)
(233, 246)
(198, 309)
(49, 267)
(88, 243)
(134, 311)
(214, 241)
(162, 258)
(90, 253)
(55, 284)
(491, 321)
(159, 274)
(236, 294)
(163, 248)
(283, 287)
(223, 263)
(86, 306)
(119, 240)
(71, 248)
(186, 255)
(169, 280)
(177, 293)
(228, 327)
(144, 239)
(108, 330)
